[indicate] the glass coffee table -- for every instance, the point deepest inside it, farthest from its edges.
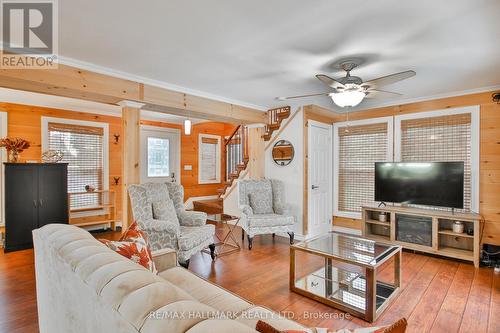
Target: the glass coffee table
(353, 274)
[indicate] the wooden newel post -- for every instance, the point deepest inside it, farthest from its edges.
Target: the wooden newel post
(131, 118)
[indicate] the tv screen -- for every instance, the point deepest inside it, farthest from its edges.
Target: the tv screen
(420, 183)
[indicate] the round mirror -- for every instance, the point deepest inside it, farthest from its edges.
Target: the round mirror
(283, 152)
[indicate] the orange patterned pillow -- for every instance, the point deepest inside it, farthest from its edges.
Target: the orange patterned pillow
(133, 245)
(134, 234)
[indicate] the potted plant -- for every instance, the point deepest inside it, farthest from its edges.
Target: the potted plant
(14, 147)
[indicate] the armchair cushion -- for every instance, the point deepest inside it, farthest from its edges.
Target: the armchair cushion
(192, 218)
(269, 220)
(165, 210)
(261, 202)
(161, 234)
(191, 237)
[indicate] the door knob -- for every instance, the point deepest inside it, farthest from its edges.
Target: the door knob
(315, 187)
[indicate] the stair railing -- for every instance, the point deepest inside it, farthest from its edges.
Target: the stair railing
(236, 152)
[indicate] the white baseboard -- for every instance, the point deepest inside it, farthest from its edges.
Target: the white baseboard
(189, 202)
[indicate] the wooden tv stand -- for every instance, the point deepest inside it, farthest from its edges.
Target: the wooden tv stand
(436, 235)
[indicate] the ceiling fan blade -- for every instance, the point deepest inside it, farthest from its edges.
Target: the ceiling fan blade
(329, 81)
(301, 96)
(389, 79)
(375, 93)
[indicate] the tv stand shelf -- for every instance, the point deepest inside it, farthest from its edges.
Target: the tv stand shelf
(425, 230)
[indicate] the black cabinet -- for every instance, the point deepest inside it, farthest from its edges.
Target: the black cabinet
(35, 194)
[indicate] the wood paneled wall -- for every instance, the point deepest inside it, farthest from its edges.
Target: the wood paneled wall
(489, 188)
(25, 121)
(189, 156)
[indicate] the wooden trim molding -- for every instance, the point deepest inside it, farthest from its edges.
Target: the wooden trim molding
(67, 81)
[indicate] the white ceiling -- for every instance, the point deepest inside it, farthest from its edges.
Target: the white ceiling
(253, 51)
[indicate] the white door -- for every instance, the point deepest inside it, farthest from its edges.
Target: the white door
(160, 154)
(319, 172)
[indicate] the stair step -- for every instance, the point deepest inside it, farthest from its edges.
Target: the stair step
(241, 166)
(234, 175)
(273, 126)
(266, 137)
(283, 115)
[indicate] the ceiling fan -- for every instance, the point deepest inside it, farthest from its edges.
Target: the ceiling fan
(351, 90)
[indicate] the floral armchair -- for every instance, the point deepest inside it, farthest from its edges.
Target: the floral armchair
(159, 210)
(263, 209)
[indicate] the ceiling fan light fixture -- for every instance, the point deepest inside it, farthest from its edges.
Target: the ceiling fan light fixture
(348, 98)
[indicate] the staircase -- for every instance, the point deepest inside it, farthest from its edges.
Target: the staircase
(274, 119)
(236, 152)
(237, 156)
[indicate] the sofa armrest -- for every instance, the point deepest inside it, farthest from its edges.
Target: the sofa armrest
(246, 210)
(164, 259)
(192, 218)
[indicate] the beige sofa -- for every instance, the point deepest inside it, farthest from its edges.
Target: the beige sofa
(82, 286)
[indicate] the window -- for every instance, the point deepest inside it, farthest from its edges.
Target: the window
(84, 145)
(209, 159)
(158, 157)
(442, 136)
(358, 145)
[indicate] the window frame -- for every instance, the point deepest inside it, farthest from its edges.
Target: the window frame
(105, 141)
(475, 141)
(336, 152)
(218, 159)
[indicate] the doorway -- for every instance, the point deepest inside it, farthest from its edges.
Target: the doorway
(319, 178)
(160, 154)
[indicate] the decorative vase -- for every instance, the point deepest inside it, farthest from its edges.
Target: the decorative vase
(382, 217)
(458, 227)
(13, 156)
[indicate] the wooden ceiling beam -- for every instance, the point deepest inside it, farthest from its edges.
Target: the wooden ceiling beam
(67, 81)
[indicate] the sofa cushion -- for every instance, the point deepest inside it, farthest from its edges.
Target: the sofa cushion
(220, 326)
(177, 317)
(191, 237)
(165, 210)
(204, 291)
(261, 202)
(269, 220)
(251, 316)
(139, 303)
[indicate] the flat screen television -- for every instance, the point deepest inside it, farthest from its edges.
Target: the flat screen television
(420, 183)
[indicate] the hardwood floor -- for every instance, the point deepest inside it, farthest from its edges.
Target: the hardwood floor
(439, 295)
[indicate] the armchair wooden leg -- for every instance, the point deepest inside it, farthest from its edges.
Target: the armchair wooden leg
(212, 251)
(274, 235)
(184, 264)
(242, 235)
(250, 240)
(291, 234)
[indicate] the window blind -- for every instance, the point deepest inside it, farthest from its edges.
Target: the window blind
(82, 147)
(208, 163)
(360, 147)
(439, 139)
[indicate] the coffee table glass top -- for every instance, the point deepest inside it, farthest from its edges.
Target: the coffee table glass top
(349, 248)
